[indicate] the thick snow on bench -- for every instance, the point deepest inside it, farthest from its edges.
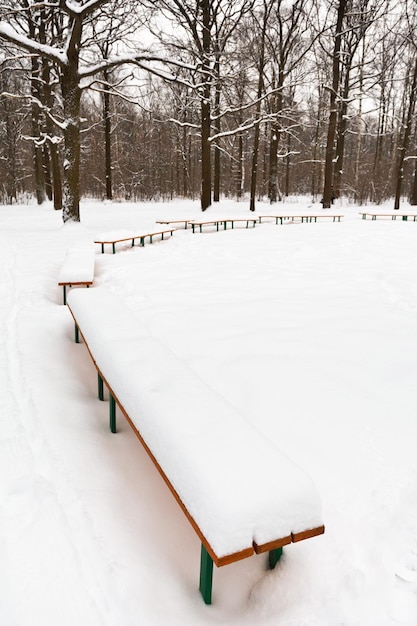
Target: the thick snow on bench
(78, 266)
(236, 485)
(118, 235)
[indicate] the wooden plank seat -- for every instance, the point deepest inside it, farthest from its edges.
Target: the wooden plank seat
(239, 492)
(281, 218)
(121, 236)
(222, 222)
(182, 221)
(77, 269)
(393, 216)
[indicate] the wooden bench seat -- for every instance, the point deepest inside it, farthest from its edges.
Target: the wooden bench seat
(122, 236)
(183, 221)
(393, 216)
(77, 269)
(282, 217)
(239, 492)
(218, 223)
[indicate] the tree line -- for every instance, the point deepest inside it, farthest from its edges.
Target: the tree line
(247, 99)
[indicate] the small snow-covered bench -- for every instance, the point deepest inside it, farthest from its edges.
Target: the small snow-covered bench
(402, 216)
(281, 218)
(180, 221)
(123, 235)
(222, 222)
(239, 492)
(77, 269)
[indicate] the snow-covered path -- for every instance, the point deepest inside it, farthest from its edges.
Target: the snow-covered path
(308, 330)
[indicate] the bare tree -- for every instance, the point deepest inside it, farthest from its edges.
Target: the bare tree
(76, 67)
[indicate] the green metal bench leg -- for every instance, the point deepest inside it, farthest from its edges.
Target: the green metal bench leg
(65, 293)
(102, 248)
(114, 248)
(206, 575)
(112, 414)
(77, 334)
(100, 387)
(273, 557)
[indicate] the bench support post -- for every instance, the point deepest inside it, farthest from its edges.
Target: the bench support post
(77, 334)
(112, 413)
(64, 287)
(100, 387)
(206, 575)
(273, 557)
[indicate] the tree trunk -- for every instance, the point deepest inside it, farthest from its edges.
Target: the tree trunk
(402, 150)
(107, 140)
(71, 96)
(334, 92)
(273, 187)
(341, 136)
(206, 109)
(47, 171)
(217, 124)
(255, 155)
(37, 149)
(55, 165)
(413, 197)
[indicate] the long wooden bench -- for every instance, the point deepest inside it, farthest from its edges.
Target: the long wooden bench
(283, 217)
(239, 492)
(222, 222)
(393, 216)
(182, 221)
(122, 236)
(77, 269)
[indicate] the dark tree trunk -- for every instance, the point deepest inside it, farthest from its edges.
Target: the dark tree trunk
(341, 136)
(47, 172)
(402, 150)
(217, 126)
(273, 164)
(55, 165)
(37, 148)
(107, 141)
(413, 196)
(206, 109)
(71, 98)
(334, 92)
(255, 155)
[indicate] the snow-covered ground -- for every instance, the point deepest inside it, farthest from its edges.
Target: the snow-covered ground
(308, 330)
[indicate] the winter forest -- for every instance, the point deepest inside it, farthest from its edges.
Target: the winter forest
(245, 99)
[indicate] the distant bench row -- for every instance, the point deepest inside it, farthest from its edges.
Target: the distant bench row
(78, 266)
(197, 225)
(401, 216)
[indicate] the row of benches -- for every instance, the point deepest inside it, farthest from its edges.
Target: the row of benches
(78, 266)
(393, 216)
(263, 501)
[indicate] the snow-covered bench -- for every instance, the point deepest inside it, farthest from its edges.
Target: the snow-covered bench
(121, 236)
(77, 268)
(240, 493)
(284, 217)
(198, 224)
(184, 221)
(402, 216)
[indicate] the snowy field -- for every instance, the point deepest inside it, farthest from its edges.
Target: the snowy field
(308, 330)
